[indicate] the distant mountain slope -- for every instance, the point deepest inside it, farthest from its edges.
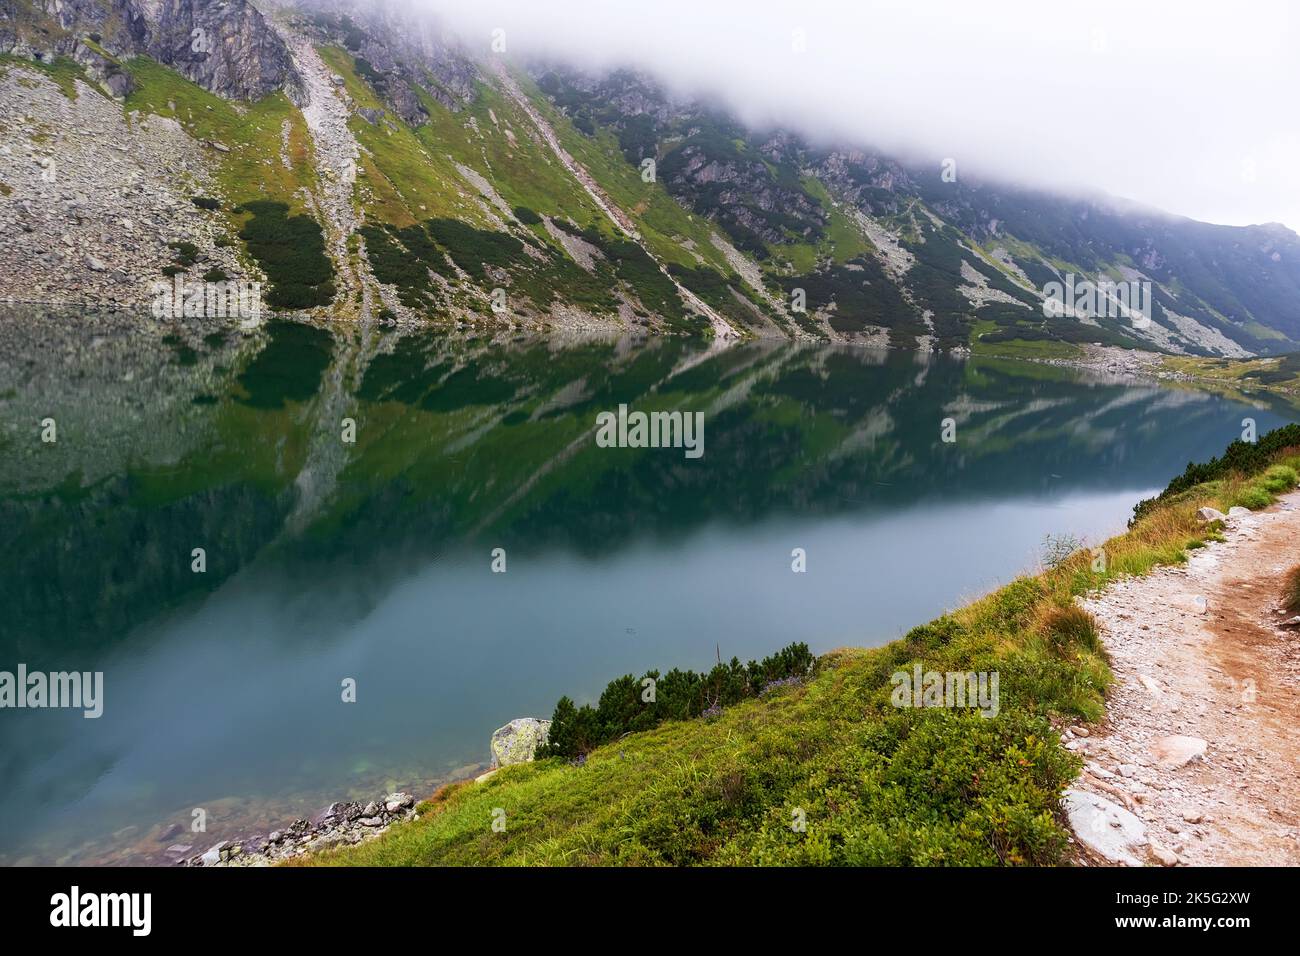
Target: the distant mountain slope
(358, 162)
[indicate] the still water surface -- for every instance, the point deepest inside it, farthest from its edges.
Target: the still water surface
(372, 560)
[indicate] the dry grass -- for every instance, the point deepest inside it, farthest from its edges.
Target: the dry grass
(1291, 590)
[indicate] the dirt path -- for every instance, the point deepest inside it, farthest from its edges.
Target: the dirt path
(1201, 660)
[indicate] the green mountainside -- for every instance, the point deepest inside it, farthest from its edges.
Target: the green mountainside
(362, 169)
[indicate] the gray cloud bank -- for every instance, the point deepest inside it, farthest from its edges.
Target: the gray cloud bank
(1186, 106)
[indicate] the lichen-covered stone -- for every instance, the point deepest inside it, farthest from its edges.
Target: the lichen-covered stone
(518, 741)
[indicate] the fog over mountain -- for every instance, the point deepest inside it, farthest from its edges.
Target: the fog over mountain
(1180, 106)
(871, 175)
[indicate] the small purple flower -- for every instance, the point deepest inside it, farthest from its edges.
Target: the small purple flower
(794, 681)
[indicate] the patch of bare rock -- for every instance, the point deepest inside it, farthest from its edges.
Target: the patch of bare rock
(339, 824)
(93, 197)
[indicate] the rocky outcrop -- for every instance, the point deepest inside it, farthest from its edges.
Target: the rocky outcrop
(404, 50)
(227, 48)
(339, 824)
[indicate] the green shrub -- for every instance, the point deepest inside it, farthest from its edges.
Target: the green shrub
(216, 274)
(1253, 497)
(678, 695)
(187, 253)
(206, 202)
(1280, 478)
(527, 216)
(474, 249)
(291, 251)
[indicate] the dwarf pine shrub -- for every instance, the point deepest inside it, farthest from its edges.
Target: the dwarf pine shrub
(628, 704)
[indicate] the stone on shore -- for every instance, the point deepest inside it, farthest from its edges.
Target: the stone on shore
(518, 741)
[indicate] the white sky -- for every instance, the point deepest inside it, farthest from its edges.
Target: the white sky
(1187, 106)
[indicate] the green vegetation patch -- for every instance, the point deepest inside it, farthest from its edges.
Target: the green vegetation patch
(291, 251)
(678, 695)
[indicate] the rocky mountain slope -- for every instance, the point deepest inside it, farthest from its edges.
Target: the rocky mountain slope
(360, 164)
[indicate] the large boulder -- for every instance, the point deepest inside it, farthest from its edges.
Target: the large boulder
(1106, 828)
(518, 740)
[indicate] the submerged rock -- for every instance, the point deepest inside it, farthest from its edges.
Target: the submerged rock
(518, 741)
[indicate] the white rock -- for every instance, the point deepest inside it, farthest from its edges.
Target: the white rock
(1176, 751)
(1236, 511)
(398, 801)
(1211, 514)
(213, 856)
(1166, 857)
(1104, 827)
(518, 740)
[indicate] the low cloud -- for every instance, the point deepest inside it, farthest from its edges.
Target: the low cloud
(1183, 106)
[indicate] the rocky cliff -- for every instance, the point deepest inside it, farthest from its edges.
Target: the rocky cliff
(224, 47)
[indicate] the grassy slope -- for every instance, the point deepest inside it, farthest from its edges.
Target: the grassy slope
(1237, 376)
(661, 220)
(876, 784)
(252, 132)
(1021, 348)
(403, 179)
